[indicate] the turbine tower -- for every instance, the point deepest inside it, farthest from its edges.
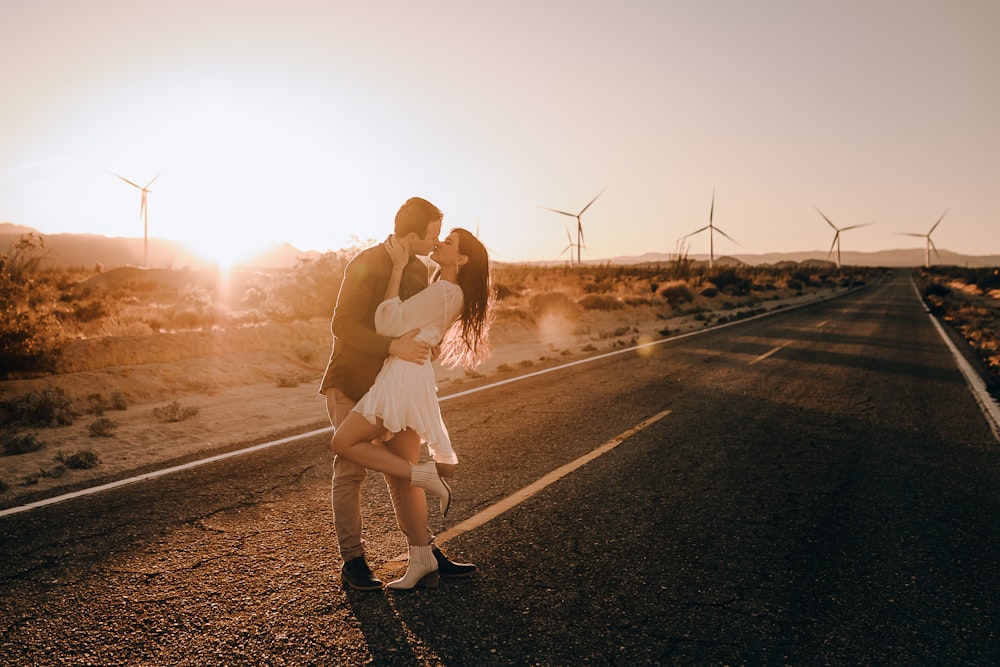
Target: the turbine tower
(579, 224)
(144, 215)
(711, 233)
(836, 236)
(930, 243)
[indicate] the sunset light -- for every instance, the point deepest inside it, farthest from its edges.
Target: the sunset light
(701, 365)
(309, 124)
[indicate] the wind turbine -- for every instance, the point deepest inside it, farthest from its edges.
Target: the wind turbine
(836, 237)
(711, 233)
(144, 214)
(568, 247)
(930, 244)
(579, 224)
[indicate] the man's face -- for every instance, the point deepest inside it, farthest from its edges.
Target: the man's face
(427, 244)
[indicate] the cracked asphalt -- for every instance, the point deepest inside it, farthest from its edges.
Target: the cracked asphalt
(831, 501)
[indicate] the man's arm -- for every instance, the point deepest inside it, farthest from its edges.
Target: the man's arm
(351, 324)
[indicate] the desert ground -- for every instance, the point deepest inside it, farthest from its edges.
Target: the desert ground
(254, 384)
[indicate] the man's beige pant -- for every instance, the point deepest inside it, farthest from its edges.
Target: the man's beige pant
(345, 493)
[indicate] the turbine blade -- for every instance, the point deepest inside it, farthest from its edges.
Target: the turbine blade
(911, 234)
(711, 211)
(825, 218)
(938, 222)
(129, 182)
(933, 246)
(593, 200)
(697, 231)
(555, 210)
(151, 182)
(728, 236)
(830, 251)
(865, 224)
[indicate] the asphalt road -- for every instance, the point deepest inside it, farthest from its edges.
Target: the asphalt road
(824, 490)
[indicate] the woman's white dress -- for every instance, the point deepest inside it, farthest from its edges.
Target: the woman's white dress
(404, 394)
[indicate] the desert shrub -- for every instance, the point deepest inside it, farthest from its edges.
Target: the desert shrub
(81, 460)
(185, 319)
(98, 404)
(89, 311)
(53, 472)
(174, 412)
(553, 303)
(253, 298)
(102, 427)
(19, 443)
(118, 401)
(936, 289)
(731, 281)
(31, 337)
(48, 407)
(503, 291)
(599, 302)
(310, 289)
(305, 353)
(3, 486)
(802, 276)
(795, 284)
(287, 380)
(677, 293)
(988, 279)
(709, 292)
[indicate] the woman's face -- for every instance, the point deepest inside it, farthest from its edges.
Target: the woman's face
(447, 252)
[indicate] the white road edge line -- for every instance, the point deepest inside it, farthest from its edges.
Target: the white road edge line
(989, 407)
(159, 473)
(212, 459)
(518, 497)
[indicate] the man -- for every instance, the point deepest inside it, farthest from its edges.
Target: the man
(358, 354)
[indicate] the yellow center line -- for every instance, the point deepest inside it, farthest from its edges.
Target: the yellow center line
(766, 355)
(518, 497)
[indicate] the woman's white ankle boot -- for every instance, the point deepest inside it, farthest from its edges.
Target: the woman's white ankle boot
(422, 569)
(425, 476)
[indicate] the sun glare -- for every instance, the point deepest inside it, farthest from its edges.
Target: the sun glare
(224, 253)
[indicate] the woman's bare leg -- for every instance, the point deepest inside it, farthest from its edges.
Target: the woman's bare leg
(409, 501)
(353, 441)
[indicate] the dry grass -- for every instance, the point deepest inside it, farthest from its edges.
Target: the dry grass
(244, 368)
(969, 301)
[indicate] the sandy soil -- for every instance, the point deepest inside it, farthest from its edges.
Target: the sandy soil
(249, 387)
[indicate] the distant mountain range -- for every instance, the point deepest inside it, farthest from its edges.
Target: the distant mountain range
(905, 257)
(87, 250)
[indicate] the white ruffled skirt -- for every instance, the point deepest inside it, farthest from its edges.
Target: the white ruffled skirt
(405, 396)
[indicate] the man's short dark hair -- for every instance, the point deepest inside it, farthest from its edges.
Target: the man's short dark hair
(415, 216)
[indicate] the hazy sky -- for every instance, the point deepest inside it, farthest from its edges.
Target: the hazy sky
(312, 121)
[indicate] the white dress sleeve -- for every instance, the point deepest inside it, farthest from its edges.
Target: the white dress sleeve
(431, 310)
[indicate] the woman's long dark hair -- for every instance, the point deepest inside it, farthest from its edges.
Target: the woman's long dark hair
(467, 341)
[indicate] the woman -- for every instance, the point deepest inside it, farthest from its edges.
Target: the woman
(455, 312)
